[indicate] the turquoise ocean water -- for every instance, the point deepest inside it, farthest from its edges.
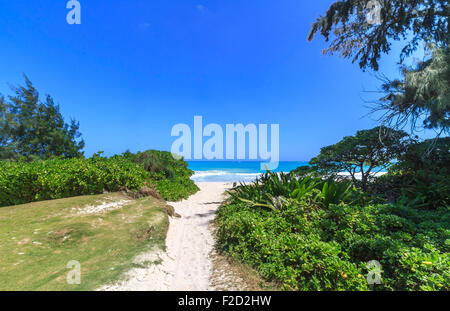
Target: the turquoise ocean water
(234, 171)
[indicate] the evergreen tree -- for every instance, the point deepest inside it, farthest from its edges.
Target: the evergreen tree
(356, 36)
(6, 144)
(34, 129)
(424, 92)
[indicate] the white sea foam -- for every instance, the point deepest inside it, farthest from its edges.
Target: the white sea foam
(229, 176)
(223, 176)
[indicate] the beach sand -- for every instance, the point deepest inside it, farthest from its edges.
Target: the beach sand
(187, 263)
(358, 176)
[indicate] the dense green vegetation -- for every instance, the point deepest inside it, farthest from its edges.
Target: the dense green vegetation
(421, 175)
(314, 230)
(312, 234)
(23, 182)
(170, 176)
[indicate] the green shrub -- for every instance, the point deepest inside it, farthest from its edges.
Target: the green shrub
(420, 177)
(176, 189)
(24, 182)
(171, 176)
(428, 158)
(305, 244)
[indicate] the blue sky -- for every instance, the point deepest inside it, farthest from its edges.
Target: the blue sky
(133, 69)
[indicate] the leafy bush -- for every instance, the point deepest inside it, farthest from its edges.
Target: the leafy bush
(432, 196)
(170, 176)
(176, 189)
(306, 243)
(23, 182)
(420, 177)
(428, 158)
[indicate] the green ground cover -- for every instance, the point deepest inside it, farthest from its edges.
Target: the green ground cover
(37, 240)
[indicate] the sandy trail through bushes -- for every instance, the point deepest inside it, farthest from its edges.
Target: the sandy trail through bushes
(187, 264)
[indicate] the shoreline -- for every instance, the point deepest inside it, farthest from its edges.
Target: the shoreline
(222, 176)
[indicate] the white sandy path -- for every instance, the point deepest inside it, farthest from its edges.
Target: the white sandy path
(186, 266)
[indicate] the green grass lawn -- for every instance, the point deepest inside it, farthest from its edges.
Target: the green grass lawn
(37, 241)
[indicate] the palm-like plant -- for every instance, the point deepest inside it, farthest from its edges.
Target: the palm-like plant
(334, 193)
(275, 190)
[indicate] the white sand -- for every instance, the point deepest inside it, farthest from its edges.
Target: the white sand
(358, 176)
(101, 208)
(186, 266)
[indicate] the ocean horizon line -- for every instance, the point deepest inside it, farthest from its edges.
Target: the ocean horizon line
(235, 171)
